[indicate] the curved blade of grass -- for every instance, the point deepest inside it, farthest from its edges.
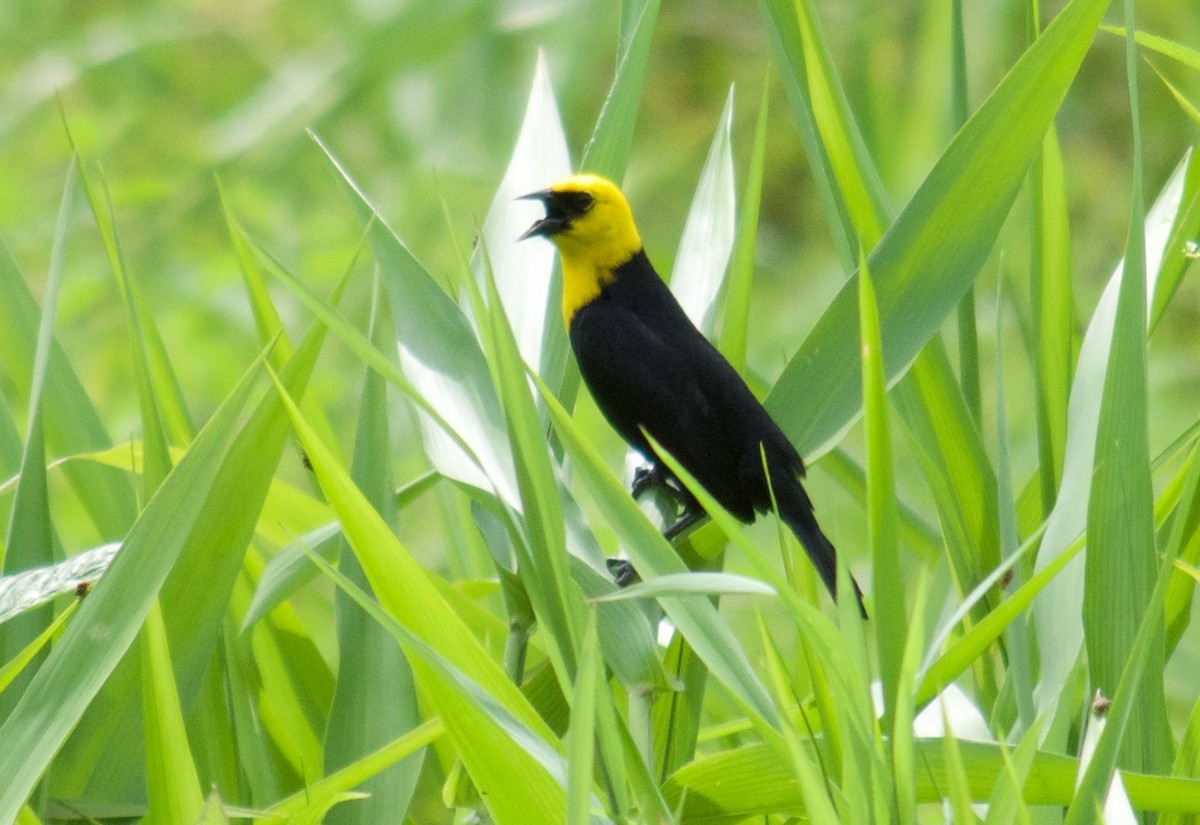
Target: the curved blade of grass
(708, 234)
(1168, 48)
(31, 588)
(289, 569)
(691, 584)
(351, 776)
(172, 784)
(741, 783)
(13, 667)
(1058, 624)
(515, 786)
(82, 661)
(522, 270)
(934, 249)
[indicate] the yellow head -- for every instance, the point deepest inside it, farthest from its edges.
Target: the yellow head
(590, 222)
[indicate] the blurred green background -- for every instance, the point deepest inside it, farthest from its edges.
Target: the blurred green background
(422, 101)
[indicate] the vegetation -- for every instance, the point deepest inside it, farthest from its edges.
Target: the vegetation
(261, 564)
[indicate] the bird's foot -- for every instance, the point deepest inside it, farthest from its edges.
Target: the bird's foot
(647, 477)
(622, 572)
(686, 521)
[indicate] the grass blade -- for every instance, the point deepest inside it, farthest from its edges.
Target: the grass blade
(932, 252)
(79, 665)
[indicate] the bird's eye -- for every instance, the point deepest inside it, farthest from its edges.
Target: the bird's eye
(585, 201)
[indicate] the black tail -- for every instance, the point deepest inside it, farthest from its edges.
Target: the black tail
(796, 510)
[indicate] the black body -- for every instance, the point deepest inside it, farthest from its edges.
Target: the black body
(648, 366)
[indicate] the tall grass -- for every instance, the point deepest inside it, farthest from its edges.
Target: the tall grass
(424, 629)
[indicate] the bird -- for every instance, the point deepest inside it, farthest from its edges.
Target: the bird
(651, 371)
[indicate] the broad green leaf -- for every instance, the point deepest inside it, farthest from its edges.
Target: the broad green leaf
(847, 183)
(541, 550)
(441, 358)
(522, 269)
(173, 787)
(708, 234)
(932, 252)
(1122, 565)
(233, 505)
(110, 617)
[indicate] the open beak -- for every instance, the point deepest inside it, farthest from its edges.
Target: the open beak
(554, 222)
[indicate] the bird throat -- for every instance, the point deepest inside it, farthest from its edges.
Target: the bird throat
(583, 280)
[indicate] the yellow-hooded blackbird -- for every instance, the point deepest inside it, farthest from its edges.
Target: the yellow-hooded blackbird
(648, 367)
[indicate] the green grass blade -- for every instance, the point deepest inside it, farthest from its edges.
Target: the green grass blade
(883, 535)
(14, 666)
(375, 700)
(515, 786)
(72, 423)
(543, 564)
(172, 784)
(607, 152)
(356, 773)
(1058, 625)
(932, 252)
(1053, 307)
(1121, 564)
(736, 320)
(708, 234)
(1173, 49)
(849, 188)
(79, 665)
(752, 781)
(151, 402)
(30, 539)
(581, 739)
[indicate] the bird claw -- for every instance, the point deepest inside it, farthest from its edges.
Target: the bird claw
(622, 572)
(647, 477)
